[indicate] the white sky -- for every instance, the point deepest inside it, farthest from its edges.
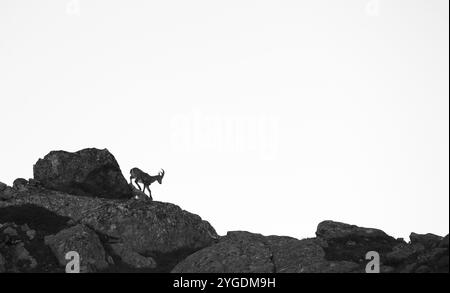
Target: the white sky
(268, 116)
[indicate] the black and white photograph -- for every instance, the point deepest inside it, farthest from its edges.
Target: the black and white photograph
(243, 141)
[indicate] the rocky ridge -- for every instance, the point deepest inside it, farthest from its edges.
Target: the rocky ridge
(81, 202)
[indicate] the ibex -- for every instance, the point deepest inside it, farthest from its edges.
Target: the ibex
(140, 176)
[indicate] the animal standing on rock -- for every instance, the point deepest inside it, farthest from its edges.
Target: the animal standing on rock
(140, 176)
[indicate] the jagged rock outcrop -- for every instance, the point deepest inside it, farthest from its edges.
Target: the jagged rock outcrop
(351, 243)
(244, 252)
(338, 248)
(427, 240)
(88, 172)
(81, 202)
(137, 234)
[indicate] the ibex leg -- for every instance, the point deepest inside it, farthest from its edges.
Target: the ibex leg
(137, 183)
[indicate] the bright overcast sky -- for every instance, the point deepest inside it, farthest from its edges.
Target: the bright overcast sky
(268, 116)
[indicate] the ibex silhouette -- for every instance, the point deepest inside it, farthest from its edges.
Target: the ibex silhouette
(140, 176)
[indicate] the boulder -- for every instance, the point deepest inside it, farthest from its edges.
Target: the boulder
(132, 259)
(89, 172)
(20, 184)
(157, 231)
(10, 231)
(346, 242)
(7, 193)
(436, 258)
(428, 240)
(245, 252)
(291, 255)
(20, 254)
(402, 252)
(82, 240)
(238, 252)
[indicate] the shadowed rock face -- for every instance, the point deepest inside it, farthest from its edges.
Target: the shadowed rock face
(22, 233)
(81, 202)
(89, 172)
(85, 242)
(137, 234)
(147, 236)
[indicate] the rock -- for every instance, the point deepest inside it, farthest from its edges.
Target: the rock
(7, 194)
(238, 252)
(131, 258)
(139, 194)
(291, 255)
(423, 269)
(34, 183)
(403, 252)
(2, 264)
(20, 184)
(10, 231)
(245, 252)
(31, 234)
(82, 240)
(410, 268)
(22, 255)
(89, 172)
(386, 269)
(432, 256)
(2, 186)
(335, 230)
(158, 230)
(428, 240)
(351, 243)
(444, 242)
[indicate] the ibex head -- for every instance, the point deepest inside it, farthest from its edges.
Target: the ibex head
(160, 176)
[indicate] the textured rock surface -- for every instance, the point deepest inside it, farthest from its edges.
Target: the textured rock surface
(20, 184)
(81, 202)
(82, 240)
(151, 232)
(89, 172)
(7, 193)
(427, 240)
(244, 252)
(131, 258)
(238, 252)
(339, 248)
(351, 243)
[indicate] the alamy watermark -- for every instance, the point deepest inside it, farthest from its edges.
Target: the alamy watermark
(373, 266)
(223, 133)
(73, 264)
